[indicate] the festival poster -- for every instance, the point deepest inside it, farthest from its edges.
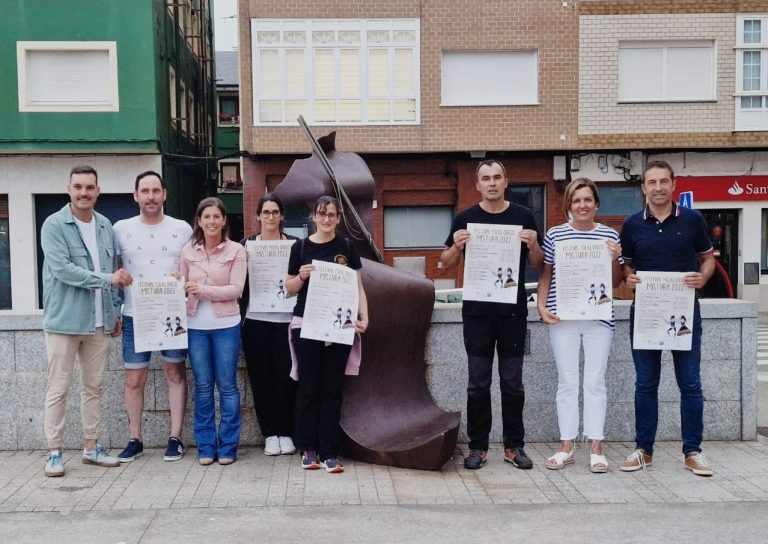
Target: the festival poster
(332, 304)
(663, 312)
(583, 289)
(492, 263)
(159, 314)
(267, 269)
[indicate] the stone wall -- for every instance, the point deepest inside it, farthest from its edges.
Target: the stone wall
(728, 370)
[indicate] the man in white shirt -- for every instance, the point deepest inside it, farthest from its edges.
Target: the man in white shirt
(149, 246)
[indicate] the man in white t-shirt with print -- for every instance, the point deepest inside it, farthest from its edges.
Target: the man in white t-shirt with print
(149, 246)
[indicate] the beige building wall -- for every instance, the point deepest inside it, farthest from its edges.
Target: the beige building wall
(599, 109)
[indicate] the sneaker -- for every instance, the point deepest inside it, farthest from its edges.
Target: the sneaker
(134, 448)
(272, 445)
(518, 458)
(309, 460)
(100, 456)
(174, 451)
(286, 446)
(696, 463)
(476, 459)
(332, 465)
(637, 460)
(54, 464)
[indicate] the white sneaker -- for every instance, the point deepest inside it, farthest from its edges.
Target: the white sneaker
(286, 446)
(272, 446)
(54, 464)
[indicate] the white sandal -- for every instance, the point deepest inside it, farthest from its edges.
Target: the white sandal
(561, 459)
(597, 461)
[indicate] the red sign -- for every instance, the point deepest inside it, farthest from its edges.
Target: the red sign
(728, 188)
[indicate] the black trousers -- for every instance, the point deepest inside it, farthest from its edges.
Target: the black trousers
(268, 361)
(506, 336)
(319, 395)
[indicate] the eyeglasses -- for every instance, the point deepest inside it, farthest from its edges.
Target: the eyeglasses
(273, 213)
(324, 215)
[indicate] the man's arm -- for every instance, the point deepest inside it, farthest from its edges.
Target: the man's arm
(699, 279)
(535, 254)
(451, 255)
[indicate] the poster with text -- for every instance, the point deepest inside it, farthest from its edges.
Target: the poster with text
(492, 263)
(663, 312)
(583, 289)
(332, 303)
(159, 314)
(267, 269)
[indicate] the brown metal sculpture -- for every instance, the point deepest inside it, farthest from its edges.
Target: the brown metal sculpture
(388, 416)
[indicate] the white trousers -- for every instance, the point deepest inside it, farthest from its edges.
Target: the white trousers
(567, 338)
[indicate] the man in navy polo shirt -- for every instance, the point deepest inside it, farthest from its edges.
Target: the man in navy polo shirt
(665, 237)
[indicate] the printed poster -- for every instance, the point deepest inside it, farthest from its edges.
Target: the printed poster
(584, 282)
(492, 263)
(267, 269)
(663, 312)
(332, 304)
(159, 314)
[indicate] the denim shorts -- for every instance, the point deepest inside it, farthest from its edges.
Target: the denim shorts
(135, 361)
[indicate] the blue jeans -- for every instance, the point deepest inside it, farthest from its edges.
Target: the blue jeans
(687, 372)
(213, 355)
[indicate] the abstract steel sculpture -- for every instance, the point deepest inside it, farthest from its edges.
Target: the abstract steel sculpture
(388, 416)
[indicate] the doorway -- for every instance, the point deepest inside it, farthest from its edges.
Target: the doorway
(723, 229)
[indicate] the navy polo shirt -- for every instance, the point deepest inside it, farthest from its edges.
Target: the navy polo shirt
(672, 245)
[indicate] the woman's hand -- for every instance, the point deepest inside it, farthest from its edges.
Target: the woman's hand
(361, 325)
(192, 288)
(548, 317)
(176, 275)
(305, 271)
(614, 248)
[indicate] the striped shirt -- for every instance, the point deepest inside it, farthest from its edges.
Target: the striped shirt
(567, 232)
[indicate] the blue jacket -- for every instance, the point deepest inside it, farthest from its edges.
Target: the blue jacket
(69, 280)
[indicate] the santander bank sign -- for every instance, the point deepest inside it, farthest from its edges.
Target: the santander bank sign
(727, 188)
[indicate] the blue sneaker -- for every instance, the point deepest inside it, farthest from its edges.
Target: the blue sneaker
(332, 465)
(174, 451)
(54, 464)
(134, 449)
(100, 456)
(309, 460)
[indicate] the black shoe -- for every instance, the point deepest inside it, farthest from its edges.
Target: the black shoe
(476, 459)
(174, 451)
(518, 458)
(134, 448)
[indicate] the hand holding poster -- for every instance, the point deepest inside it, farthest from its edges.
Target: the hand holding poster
(663, 311)
(267, 267)
(584, 280)
(159, 314)
(492, 263)
(332, 304)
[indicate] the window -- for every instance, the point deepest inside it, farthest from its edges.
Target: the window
(5, 256)
(416, 226)
(622, 201)
(351, 71)
(764, 243)
(752, 72)
(230, 178)
(229, 110)
(172, 96)
(681, 71)
(489, 78)
(532, 197)
(67, 76)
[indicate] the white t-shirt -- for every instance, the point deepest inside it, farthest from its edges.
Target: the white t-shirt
(88, 233)
(150, 251)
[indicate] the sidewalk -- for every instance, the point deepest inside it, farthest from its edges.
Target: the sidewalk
(261, 499)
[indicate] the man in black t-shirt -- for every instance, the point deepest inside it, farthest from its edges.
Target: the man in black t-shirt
(490, 326)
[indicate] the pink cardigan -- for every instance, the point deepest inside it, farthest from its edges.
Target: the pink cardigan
(222, 276)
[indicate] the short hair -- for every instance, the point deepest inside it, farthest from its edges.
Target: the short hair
(269, 197)
(490, 162)
(197, 232)
(575, 185)
(659, 164)
(84, 169)
(323, 202)
(145, 174)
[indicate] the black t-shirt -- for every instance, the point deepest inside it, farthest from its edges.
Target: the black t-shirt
(339, 251)
(513, 215)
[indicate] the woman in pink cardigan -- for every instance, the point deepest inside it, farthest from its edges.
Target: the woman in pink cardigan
(215, 269)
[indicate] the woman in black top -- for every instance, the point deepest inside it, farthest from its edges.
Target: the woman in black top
(265, 345)
(321, 367)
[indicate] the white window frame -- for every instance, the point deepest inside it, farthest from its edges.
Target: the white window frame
(25, 102)
(226, 94)
(469, 100)
(665, 45)
(361, 25)
(741, 48)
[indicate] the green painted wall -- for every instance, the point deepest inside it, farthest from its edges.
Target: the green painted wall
(227, 140)
(134, 127)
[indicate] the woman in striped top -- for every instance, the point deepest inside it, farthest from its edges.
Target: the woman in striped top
(581, 205)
